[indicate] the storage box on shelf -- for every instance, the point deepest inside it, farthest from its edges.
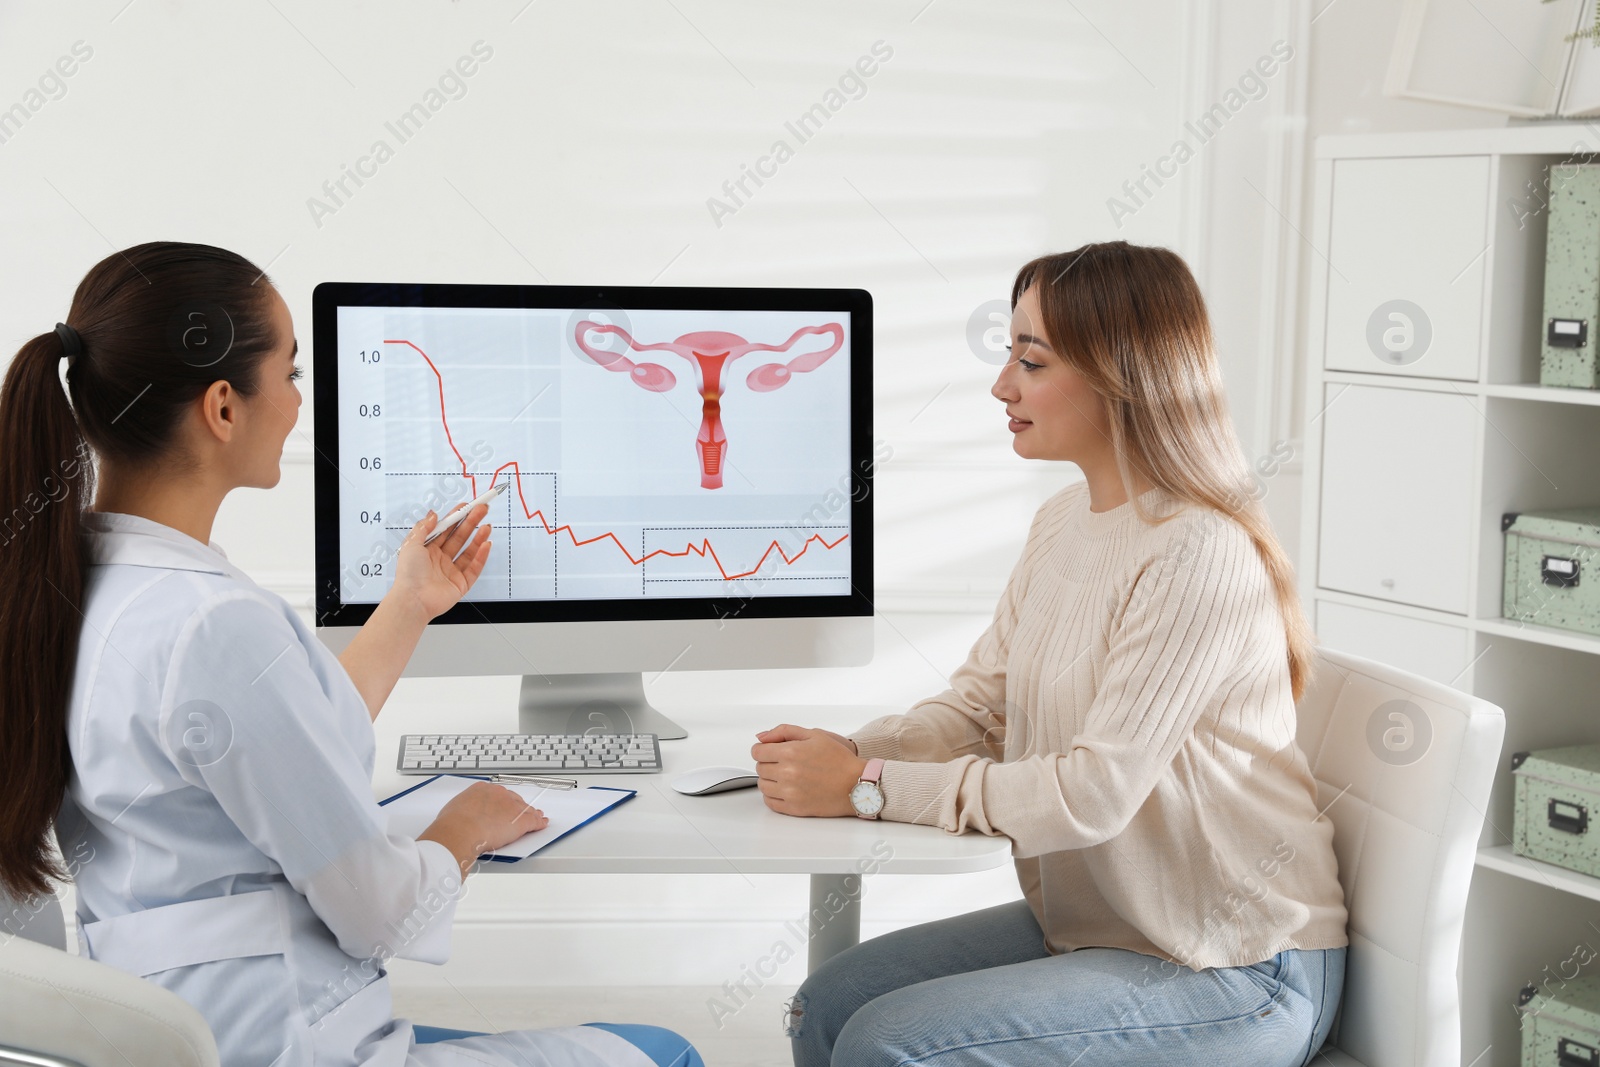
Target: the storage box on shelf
(1556, 792)
(1561, 1028)
(1548, 556)
(1572, 280)
(1425, 425)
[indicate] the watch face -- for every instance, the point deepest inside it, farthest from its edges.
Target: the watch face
(866, 798)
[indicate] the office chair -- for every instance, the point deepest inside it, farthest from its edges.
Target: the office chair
(1407, 818)
(59, 1010)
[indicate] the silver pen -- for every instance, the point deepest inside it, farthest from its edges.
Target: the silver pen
(536, 779)
(455, 518)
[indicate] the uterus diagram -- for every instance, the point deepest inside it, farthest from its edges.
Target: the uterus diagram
(709, 352)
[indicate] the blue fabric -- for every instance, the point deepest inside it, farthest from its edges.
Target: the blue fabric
(427, 1035)
(663, 1046)
(981, 989)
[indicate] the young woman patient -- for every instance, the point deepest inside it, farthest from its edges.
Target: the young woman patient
(1127, 720)
(202, 756)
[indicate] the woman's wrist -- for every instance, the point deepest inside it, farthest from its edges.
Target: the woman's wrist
(460, 840)
(399, 620)
(406, 608)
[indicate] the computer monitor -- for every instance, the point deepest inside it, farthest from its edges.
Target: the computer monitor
(689, 475)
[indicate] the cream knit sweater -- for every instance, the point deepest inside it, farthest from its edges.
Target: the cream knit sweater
(1127, 720)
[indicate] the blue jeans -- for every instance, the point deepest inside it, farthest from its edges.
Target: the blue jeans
(982, 989)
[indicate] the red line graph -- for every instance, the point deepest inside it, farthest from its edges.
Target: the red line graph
(703, 549)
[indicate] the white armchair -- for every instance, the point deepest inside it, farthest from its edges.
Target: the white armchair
(60, 1010)
(1403, 766)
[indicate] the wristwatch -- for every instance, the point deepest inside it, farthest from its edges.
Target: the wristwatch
(867, 795)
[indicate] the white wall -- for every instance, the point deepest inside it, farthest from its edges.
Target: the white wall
(585, 149)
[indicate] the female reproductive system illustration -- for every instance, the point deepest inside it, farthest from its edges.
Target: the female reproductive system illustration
(709, 352)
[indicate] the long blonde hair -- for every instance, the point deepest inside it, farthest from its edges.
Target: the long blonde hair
(1130, 319)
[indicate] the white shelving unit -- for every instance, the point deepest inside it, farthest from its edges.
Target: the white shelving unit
(1413, 455)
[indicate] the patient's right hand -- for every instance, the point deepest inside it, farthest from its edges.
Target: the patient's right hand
(778, 733)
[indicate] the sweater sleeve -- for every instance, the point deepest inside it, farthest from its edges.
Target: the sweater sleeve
(1173, 643)
(969, 717)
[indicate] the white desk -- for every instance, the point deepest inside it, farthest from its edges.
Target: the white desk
(660, 831)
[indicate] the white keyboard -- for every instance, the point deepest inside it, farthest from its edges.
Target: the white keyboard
(530, 753)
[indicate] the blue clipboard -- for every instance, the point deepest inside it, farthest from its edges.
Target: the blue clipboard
(629, 794)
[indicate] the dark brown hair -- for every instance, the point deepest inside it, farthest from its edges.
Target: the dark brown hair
(159, 323)
(1132, 321)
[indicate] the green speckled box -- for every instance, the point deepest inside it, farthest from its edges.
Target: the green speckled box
(1559, 1022)
(1552, 573)
(1557, 800)
(1572, 279)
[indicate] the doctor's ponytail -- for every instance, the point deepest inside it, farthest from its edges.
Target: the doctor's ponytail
(38, 532)
(149, 330)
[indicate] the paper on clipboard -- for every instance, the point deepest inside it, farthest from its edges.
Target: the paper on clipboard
(411, 811)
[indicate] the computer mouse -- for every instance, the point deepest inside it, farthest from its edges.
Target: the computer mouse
(698, 783)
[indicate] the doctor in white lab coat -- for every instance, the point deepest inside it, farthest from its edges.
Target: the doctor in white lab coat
(219, 757)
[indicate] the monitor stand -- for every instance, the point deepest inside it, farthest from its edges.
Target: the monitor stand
(590, 704)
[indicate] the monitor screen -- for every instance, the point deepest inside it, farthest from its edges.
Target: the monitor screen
(664, 453)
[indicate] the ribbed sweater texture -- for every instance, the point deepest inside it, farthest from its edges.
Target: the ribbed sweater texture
(1127, 720)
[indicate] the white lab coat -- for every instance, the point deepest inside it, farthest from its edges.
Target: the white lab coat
(220, 813)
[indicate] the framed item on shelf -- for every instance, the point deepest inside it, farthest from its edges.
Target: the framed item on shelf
(1580, 93)
(1510, 56)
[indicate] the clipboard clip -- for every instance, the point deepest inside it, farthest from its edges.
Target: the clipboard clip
(535, 779)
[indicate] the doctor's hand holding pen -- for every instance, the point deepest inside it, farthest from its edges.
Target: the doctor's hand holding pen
(431, 574)
(434, 573)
